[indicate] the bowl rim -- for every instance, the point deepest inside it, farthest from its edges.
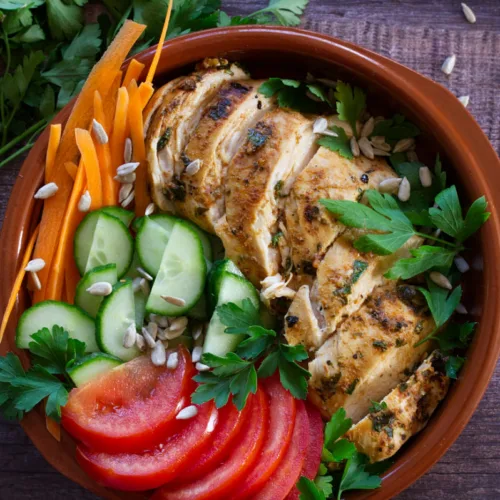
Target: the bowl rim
(465, 144)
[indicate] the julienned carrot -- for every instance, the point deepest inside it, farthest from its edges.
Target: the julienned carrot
(91, 164)
(156, 58)
(104, 155)
(71, 168)
(133, 72)
(81, 116)
(110, 99)
(71, 275)
(131, 89)
(146, 90)
(54, 140)
(119, 128)
(53, 427)
(18, 282)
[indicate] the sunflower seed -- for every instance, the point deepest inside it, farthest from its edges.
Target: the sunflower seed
(141, 343)
(412, 156)
(162, 334)
(320, 125)
(380, 152)
(449, 64)
(199, 341)
(366, 148)
(201, 367)
(152, 329)
(46, 191)
(461, 309)
(145, 288)
(196, 354)
(404, 145)
(390, 185)
(163, 321)
(354, 147)
(188, 412)
(379, 143)
(127, 150)
(158, 354)
(99, 132)
(440, 280)
(128, 200)
(136, 284)
(176, 301)
(172, 361)
(125, 179)
(404, 190)
(468, 13)
(130, 336)
(462, 264)
(170, 334)
(197, 332)
(100, 289)
(150, 341)
(85, 202)
(379, 119)
(127, 168)
(368, 127)
(125, 191)
(425, 176)
(464, 100)
(150, 209)
(179, 323)
(144, 274)
(193, 167)
(36, 280)
(35, 265)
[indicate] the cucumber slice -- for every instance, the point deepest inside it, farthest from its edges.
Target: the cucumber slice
(103, 239)
(116, 314)
(150, 244)
(214, 278)
(92, 366)
(76, 322)
(200, 309)
(182, 273)
(232, 289)
(205, 241)
(90, 303)
(132, 270)
(140, 299)
(126, 216)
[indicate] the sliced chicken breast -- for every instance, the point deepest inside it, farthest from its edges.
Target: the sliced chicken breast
(263, 171)
(173, 124)
(409, 406)
(371, 351)
(223, 128)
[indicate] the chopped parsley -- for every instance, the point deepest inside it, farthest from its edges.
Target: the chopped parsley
(276, 238)
(380, 344)
(341, 143)
(163, 140)
(352, 386)
(351, 102)
(375, 407)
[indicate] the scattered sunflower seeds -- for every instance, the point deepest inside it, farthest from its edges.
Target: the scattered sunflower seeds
(196, 354)
(464, 100)
(85, 202)
(425, 176)
(468, 13)
(150, 341)
(46, 191)
(404, 145)
(36, 280)
(152, 329)
(197, 332)
(130, 337)
(201, 367)
(172, 361)
(125, 179)
(158, 354)
(390, 185)
(125, 191)
(368, 127)
(440, 280)
(100, 289)
(320, 126)
(144, 285)
(35, 265)
(366, 148)
(449, 64)
(127, 168)
(128, 200)
(136, 284)
(188, 412)
(99, 132)
(127, 150)
(404, 191)
(141, 343)
(380, 152)
(354, 147)
(462, 264)
(461, 309)
(193, 167)
(144, 274)
(176, 301)
(149, 209)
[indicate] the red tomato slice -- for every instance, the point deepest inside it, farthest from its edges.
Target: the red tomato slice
(138, 472)
(131, 408)
(313, 457)
(222, 481)
(230, 424)
(281, 423)
(287, 474)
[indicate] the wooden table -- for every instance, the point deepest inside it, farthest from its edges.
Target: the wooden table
(471, 468)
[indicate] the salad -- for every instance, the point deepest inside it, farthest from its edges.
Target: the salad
(240, 288)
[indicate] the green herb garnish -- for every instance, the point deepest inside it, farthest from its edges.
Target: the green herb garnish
(351, 102)
(341, 143)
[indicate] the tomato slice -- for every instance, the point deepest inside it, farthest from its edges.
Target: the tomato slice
(313, 457)
(222, 481)
(281, 423)
(138, 472)
(131, 408)
(228, 427)
(287, 474)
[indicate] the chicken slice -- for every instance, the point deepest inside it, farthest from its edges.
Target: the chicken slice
(311, 229)
(345, 278)
(263, 171)
(235, 107)
(409, 406)
(371, 351)
(174, 122)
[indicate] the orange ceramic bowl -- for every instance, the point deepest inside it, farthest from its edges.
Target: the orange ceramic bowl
(447, 128)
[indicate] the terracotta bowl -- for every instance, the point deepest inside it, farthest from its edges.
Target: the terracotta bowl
(447, 128)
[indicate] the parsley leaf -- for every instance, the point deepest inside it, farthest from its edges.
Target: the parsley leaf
(292, 376)
(340, 143)
(309, 490)
(238, 318)
(438, 172)
(324, 484)
(453, 365)
(455, 336)
(376, 406)
(355, 477)
(65, 19)
(286, 12)
(336, 427)
(351, 104)
(442, 303)
(395, 129)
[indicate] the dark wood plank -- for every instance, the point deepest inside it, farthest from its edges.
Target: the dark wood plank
(471, 468)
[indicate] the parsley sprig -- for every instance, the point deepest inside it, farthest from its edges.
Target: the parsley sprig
(20, 391)
(259, 355)
(351, 102)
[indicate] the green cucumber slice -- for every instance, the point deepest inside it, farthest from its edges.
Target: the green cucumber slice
(140, 299)
(182, 273)
(219, 267)
(200, 309)
(92, 366)
(90, 303)
(126, 216)
(76, 322)
(232, 289)
(150, 244)
(116, 314)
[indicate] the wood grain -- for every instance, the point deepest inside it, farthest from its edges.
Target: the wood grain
(433, 29)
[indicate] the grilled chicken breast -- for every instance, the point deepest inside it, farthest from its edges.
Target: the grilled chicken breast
(221, 131)
(381, 434)
(371, 351)
(264, 169)
(170, 130)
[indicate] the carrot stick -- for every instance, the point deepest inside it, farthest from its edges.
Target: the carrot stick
(53, 427)
(18, 282)
(146, 90)
(91, 164)
(99, 79)
(71, 276)
(119, 128)
(156, 58)
(133, 72)
(71, 168)
(110, 99)
(50, 158)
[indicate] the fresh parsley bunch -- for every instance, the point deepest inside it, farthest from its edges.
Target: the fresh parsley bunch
(260, 354)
